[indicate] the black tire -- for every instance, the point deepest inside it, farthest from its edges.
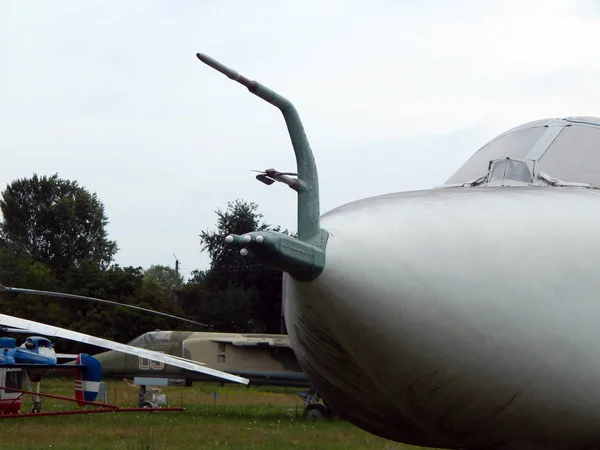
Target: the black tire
(147, 404)
(316, 412)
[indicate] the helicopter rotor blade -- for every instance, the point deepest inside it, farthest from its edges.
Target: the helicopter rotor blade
(93, 299)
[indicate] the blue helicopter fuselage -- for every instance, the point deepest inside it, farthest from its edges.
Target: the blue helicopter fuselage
(35, 350)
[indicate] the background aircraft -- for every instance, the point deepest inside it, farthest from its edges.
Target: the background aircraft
(20, 324)
(257, 359)
(464, 316)
(35, 358)
(264, 359)
(35, 350)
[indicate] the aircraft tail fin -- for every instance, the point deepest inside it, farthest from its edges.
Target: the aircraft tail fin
(87, 380)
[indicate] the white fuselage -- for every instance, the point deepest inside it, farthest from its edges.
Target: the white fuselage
(459, 317)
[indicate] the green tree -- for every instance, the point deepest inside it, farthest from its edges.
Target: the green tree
(240, 217)
(124, 285)
(9, 261)
(249, 292)
(55, 221)
(165, 276)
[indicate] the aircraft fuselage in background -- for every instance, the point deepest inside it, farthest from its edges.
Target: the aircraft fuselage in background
(264, 359)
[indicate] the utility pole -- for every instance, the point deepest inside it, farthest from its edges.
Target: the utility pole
(176, 271)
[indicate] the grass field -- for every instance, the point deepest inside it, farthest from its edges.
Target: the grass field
(238, 418)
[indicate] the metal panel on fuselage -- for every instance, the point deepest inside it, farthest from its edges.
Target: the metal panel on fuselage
(240, 358)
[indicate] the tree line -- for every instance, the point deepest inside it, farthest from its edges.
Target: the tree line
(53, 237)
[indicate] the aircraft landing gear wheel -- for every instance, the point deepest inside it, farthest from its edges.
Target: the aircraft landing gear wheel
(36, 408)
(148, 404)
(316, 412)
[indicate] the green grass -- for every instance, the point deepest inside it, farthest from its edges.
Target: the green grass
(239, 418)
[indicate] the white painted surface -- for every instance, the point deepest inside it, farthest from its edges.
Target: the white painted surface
(459, 316)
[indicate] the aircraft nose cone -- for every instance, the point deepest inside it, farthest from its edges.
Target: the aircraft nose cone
(427, 311)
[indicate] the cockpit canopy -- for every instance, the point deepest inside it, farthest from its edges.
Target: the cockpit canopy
(151, 337)
(35, 342)
(544, 152)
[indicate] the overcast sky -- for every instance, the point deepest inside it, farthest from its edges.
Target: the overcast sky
(394, 95)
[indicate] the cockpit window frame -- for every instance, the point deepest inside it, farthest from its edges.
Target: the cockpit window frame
(508, 164)
(567, 154)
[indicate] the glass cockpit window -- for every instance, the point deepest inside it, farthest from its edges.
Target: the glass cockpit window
(574, 156)
(140, 340)
(158, 336)
(515, 144)
(14, 379)
(151, 337)
(509, 169)
(498, 171)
